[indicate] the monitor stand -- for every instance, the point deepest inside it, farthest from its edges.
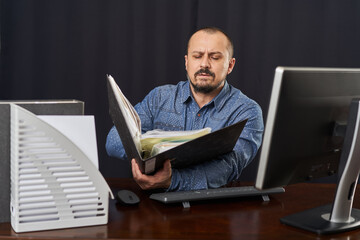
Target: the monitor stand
(339, 216)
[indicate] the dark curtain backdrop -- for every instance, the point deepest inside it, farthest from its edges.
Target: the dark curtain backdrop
(62, 49)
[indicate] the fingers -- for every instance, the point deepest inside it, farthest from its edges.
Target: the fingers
(167, 165)
(135, 168)
(167, 171)
(141, 179)
(161, 179)
(137, 175)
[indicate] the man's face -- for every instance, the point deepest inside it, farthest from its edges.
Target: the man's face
(208, 61)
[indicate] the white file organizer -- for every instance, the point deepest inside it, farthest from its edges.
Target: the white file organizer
(53, 183)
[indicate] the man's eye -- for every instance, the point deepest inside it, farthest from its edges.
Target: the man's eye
(215, 57)
(197, 56)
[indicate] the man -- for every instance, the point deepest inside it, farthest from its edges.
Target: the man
(205, 100)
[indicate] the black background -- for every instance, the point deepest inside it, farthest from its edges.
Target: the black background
(62, 49)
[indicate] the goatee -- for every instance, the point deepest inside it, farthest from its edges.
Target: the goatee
(206, 88)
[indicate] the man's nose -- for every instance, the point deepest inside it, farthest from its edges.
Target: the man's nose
(205, 62)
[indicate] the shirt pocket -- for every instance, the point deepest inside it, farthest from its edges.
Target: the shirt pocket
(169, 121)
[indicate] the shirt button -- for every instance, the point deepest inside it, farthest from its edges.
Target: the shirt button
(198, 114)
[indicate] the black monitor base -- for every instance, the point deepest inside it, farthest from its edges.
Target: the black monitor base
(313, 220)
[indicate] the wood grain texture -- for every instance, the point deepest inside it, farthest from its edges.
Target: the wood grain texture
(239, 218)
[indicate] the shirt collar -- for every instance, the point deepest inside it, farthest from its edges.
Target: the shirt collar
(186, 93)
(218, 101)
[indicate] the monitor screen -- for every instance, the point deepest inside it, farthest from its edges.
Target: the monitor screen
(305, 125)
(313, 130)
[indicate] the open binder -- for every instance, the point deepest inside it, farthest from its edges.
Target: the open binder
(205, 147)
(54, 184)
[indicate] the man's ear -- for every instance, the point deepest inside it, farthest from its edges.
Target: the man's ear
(231, 65)
(186, 59)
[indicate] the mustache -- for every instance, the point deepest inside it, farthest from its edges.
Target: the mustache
(206, 71)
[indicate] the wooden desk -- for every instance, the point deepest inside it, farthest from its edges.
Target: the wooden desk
(244, 218)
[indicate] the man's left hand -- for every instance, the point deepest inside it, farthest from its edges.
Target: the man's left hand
(161, 179)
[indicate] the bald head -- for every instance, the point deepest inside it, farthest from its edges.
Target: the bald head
(214, 30)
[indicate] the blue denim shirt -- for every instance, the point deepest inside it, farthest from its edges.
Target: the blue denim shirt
(172, 107)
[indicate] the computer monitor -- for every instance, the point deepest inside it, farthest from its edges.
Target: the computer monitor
(311, 131)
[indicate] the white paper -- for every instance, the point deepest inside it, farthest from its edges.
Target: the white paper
(132, 119)
(79, 129)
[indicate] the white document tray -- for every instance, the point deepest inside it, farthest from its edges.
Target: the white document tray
(53, 183)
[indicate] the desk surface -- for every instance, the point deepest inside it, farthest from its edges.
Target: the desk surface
(241, 218)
